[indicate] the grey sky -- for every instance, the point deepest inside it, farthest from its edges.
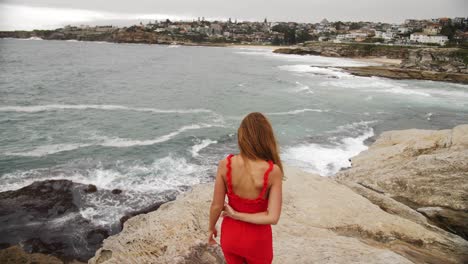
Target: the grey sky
(287, 10)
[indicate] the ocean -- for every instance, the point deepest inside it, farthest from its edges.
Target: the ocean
(147, 119)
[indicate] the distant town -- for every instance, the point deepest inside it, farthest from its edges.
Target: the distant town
(432, 32)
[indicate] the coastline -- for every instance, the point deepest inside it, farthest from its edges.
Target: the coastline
(326, 216)
(391, 67)
(322, 217)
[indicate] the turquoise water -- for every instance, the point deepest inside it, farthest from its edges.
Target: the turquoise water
(150, 118)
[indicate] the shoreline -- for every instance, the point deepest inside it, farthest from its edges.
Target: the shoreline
(313, 215)
(322, 218)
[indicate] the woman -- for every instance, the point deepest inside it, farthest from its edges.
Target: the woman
(252, 181)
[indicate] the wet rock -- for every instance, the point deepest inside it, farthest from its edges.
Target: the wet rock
(408, 73)
(116, 191)
(90, 188)
(58, 217)
(45, 217)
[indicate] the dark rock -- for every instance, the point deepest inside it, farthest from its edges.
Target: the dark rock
(44, 217)
(91, 188)
(406, 73)
(116, 191)
(453, 220)
(146, 210)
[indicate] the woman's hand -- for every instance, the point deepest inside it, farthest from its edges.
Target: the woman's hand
(212, 234)
(229, 212)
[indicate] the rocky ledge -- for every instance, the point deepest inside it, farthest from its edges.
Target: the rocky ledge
(404, 73)
(379, 211)
(436, 64)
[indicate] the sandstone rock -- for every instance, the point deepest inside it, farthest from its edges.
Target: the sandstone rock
(408, 72)
(420, 168)
(322, 222)
(16, 255)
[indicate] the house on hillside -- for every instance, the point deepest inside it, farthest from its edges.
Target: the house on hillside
(428, 39)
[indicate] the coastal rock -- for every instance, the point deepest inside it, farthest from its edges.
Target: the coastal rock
(347, 50)
(16, 255)
(407, 73)
(44, 217)
(436, 59)
(423, 169)
(56, 217)
(322, 221)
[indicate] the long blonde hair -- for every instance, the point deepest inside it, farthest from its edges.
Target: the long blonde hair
(256, 139)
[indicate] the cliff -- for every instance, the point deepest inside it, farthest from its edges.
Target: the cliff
(359, 216)
(348, 50)
(436, 64)
(424, 170)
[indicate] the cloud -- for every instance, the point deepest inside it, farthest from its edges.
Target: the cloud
(19, 17)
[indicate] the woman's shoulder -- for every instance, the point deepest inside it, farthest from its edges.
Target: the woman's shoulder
(224, 161)
(276, 172)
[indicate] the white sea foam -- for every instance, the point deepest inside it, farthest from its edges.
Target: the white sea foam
(55, 107)
(375, 84)
(201, 145)
(303, 88)
(123, 142)
(326, 160)
(327, 71)
(298, 111)
(163, 174)
(48, 149)
(311, 59)
(107, 142)
(142, 184)
(35, 38)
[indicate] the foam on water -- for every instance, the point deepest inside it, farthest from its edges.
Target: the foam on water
(201, 145)
(375, 84)
(55, 107)
(142, 184)
(123, 142)
(298, 111)
(312, 59)
(328, 71)
(48, 149)
(303, 88)
(107, 142)
(327, 159)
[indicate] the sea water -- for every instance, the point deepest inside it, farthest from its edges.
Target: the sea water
(150, 118)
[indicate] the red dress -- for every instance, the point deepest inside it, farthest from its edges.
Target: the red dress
(241, 241)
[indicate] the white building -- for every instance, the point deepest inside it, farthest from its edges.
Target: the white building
(423, 38)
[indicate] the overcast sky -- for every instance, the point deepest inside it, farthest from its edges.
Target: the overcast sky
(29, 14)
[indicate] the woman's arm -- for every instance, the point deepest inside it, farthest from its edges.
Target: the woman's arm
(217, 204)
(275, 201)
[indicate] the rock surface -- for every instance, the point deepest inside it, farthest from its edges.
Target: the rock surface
(347, 50)
(323, 221)
(437, 64)
(423, 169)
(44, 217)
(47, 217)
(16, 255)
(404, 73)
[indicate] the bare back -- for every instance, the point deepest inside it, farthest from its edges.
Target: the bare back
(248, 177)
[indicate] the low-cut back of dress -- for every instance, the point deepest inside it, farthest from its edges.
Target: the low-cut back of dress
(241, 241)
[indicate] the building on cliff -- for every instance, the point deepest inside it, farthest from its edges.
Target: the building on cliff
(425, 39)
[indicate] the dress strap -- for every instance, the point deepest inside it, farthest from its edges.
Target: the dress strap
(265, 179)
(228, 174)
